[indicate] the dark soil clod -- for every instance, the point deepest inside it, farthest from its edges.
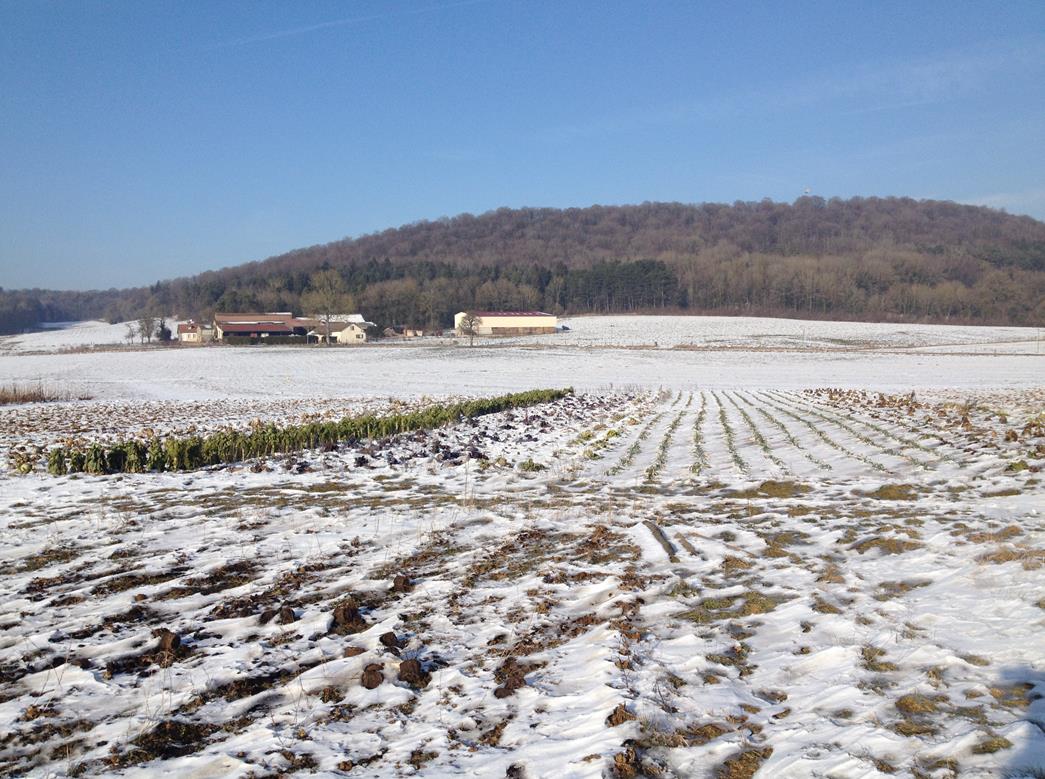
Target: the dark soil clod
(512, 676)
(411, 672)
(347, 619)
(372, 676)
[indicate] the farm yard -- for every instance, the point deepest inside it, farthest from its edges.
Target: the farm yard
(820, 561)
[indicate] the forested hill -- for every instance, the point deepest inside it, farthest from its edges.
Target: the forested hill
(863, 258)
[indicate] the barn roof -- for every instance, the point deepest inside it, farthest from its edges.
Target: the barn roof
(262, 327)
(265, 316)
(510, 313)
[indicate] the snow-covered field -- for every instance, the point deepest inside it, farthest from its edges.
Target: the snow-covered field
(599, 352)
(698, 566)
(720, 332)
(662, 332)
(62, 336)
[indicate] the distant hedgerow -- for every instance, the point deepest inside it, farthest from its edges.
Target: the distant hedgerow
(159, 453)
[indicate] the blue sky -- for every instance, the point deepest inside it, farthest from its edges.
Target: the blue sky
(147, 140)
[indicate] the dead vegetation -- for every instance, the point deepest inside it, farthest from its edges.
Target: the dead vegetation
(745, 764)
(730, 607)
(37, 392)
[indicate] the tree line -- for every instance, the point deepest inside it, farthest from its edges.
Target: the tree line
(861, 258)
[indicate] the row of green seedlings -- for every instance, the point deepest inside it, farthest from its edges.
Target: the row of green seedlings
(883, 431)
(231, 446)
(731, 443)
(636, 445)
(803, 406)
(854, 432)
(662, 396)
(594, 450)
(767, 399)
(665, 443)
(700, 455)
(760, 439)
(787, 434)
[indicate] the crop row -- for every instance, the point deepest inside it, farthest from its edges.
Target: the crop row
(907, 442)
(768, 400)
(731, 443)
(700, 456)
(757, 435)
(832, 419)
(593, 451)
(171, 453)
(787, 434)
(636, 445)
(665, 444)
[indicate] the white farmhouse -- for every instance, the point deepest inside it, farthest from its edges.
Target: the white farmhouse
(347, 333)
(509, 323)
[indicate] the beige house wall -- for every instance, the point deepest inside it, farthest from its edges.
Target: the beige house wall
(353, 334)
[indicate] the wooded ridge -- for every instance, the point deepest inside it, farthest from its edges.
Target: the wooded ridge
(862, 258)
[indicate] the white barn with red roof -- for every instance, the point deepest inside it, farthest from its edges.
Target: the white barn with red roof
(509, 322)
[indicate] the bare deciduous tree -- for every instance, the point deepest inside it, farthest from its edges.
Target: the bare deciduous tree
(146, 327)
(470, 326)
(326, 296)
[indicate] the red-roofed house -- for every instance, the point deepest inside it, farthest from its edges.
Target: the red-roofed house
(194, 333)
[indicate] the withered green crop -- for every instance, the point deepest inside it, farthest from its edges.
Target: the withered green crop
(160, 453)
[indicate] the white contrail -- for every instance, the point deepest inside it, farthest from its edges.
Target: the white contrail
(340, 23)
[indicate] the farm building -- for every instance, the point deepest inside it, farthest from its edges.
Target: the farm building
(194, 333)
(509, 323)
(350, 328)
(263, 325)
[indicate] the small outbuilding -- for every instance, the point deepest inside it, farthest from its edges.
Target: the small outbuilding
(508, 323)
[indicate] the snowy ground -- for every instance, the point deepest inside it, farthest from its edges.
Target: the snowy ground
(66, 336)
(720, 332)
(690, 577)
(598, 353)
(662, 332)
